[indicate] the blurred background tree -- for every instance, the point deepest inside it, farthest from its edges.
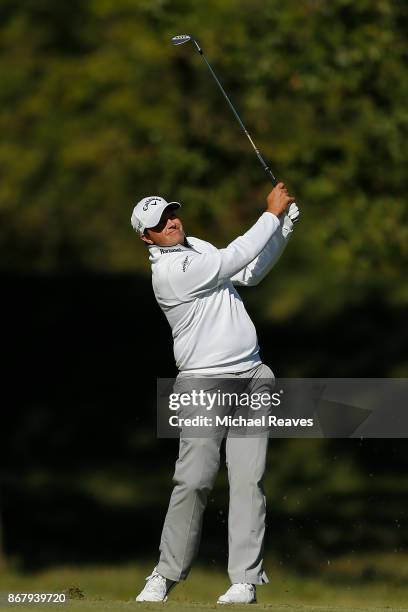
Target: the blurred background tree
(2, 555)
(97, 110)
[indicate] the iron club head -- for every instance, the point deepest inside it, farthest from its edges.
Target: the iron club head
(180, 39)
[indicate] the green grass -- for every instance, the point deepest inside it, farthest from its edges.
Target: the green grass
(366, 583)
(93, 606)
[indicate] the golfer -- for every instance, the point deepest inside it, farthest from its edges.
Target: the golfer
(194, 284)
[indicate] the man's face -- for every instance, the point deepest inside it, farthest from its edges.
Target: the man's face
(168, 232)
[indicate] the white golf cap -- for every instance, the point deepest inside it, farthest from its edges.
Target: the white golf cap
(147, 212)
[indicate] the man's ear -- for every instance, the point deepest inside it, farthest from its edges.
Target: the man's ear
(146, 239)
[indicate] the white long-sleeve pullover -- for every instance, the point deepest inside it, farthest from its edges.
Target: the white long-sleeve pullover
(194, 286)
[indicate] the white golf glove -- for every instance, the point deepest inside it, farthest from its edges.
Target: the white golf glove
(291, 217)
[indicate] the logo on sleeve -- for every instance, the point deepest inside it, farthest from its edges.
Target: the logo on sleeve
(186, 263)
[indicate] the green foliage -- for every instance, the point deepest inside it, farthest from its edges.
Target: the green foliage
(98, 110)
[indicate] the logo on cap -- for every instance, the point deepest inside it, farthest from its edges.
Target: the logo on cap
(152, 201)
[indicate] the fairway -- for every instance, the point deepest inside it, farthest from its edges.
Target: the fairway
(341, 588)
(195, 607)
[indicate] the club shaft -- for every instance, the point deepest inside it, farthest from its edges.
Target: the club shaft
(238, 118)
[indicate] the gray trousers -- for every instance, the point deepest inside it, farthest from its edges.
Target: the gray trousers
(196, 469)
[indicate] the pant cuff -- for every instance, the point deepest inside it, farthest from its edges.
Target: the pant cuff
(250, 577)
(168, 573)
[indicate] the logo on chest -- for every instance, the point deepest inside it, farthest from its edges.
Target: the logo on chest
(186, 263)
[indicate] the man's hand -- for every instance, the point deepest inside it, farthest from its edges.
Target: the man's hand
(291, 217)
(278, 200)
(293, 213)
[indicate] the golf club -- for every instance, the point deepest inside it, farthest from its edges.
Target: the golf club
(184, 38)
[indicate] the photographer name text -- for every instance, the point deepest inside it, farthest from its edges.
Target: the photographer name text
(240, 421)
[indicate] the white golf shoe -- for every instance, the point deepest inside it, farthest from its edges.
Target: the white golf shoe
(156, 589)
(239, 592)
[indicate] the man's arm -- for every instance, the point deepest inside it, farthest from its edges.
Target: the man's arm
(259, 267)
(197, 273)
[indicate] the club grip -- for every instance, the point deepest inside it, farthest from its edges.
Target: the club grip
(271, 175)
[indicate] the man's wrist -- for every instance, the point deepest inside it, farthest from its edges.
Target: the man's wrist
(273, 214)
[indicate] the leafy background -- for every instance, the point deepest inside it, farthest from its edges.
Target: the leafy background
(97, 110)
